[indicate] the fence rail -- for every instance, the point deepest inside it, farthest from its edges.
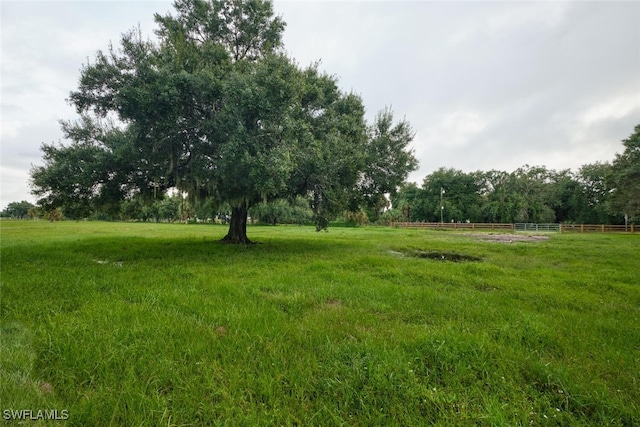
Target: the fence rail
(598, 228)
(453, 226)
(563, 228)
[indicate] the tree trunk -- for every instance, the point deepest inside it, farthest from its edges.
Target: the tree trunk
(237, 227)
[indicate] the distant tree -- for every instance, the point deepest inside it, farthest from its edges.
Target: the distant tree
(495, 198)
(461, 198)
(595, 193)
(34, 213)
(624, 178)
(410, 202)
(17, 210)
(356, 218)
(151, 211)
(529, 189)
(54, 215)
(388, 162)
(168, 208)
(131, 209)
(272, 213)
(301, 212)
(565, 196)
(391, 215)
(283, 211)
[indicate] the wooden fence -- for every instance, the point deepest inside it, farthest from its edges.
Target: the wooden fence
(598, 228)
(453, 226)
(564, 228)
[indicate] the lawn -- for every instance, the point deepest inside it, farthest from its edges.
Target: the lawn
(160, 324)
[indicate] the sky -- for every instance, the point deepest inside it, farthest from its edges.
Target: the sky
(485, 85)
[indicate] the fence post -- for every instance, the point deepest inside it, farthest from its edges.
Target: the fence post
(603, 228)
(582, 228)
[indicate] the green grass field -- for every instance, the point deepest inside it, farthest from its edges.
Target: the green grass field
(160, 324)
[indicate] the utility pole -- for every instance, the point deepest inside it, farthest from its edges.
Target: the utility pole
(626, 221)
(441, 204)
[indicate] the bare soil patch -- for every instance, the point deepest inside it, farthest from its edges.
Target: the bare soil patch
(508, 238)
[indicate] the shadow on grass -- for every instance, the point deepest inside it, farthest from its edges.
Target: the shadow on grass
(138, 249)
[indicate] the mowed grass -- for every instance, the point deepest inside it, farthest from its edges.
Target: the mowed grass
(160, 324)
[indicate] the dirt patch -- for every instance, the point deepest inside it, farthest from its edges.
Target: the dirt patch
(508, 238)
(47, 388)
(333, 303)
(220, 331)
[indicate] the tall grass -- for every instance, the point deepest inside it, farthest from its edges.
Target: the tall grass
(160, 324)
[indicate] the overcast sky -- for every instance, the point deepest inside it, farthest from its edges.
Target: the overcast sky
(485, 85)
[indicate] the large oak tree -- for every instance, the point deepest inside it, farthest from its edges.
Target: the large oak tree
(215, 109)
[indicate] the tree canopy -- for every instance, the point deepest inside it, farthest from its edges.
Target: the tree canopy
(625, 177)
(215, 109)
(17, 210)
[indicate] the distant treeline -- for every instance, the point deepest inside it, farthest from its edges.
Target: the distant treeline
(529, 194)
(171, 208)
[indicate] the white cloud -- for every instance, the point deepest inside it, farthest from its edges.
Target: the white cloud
(457, 129)
(613, 108)
(14, 185)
